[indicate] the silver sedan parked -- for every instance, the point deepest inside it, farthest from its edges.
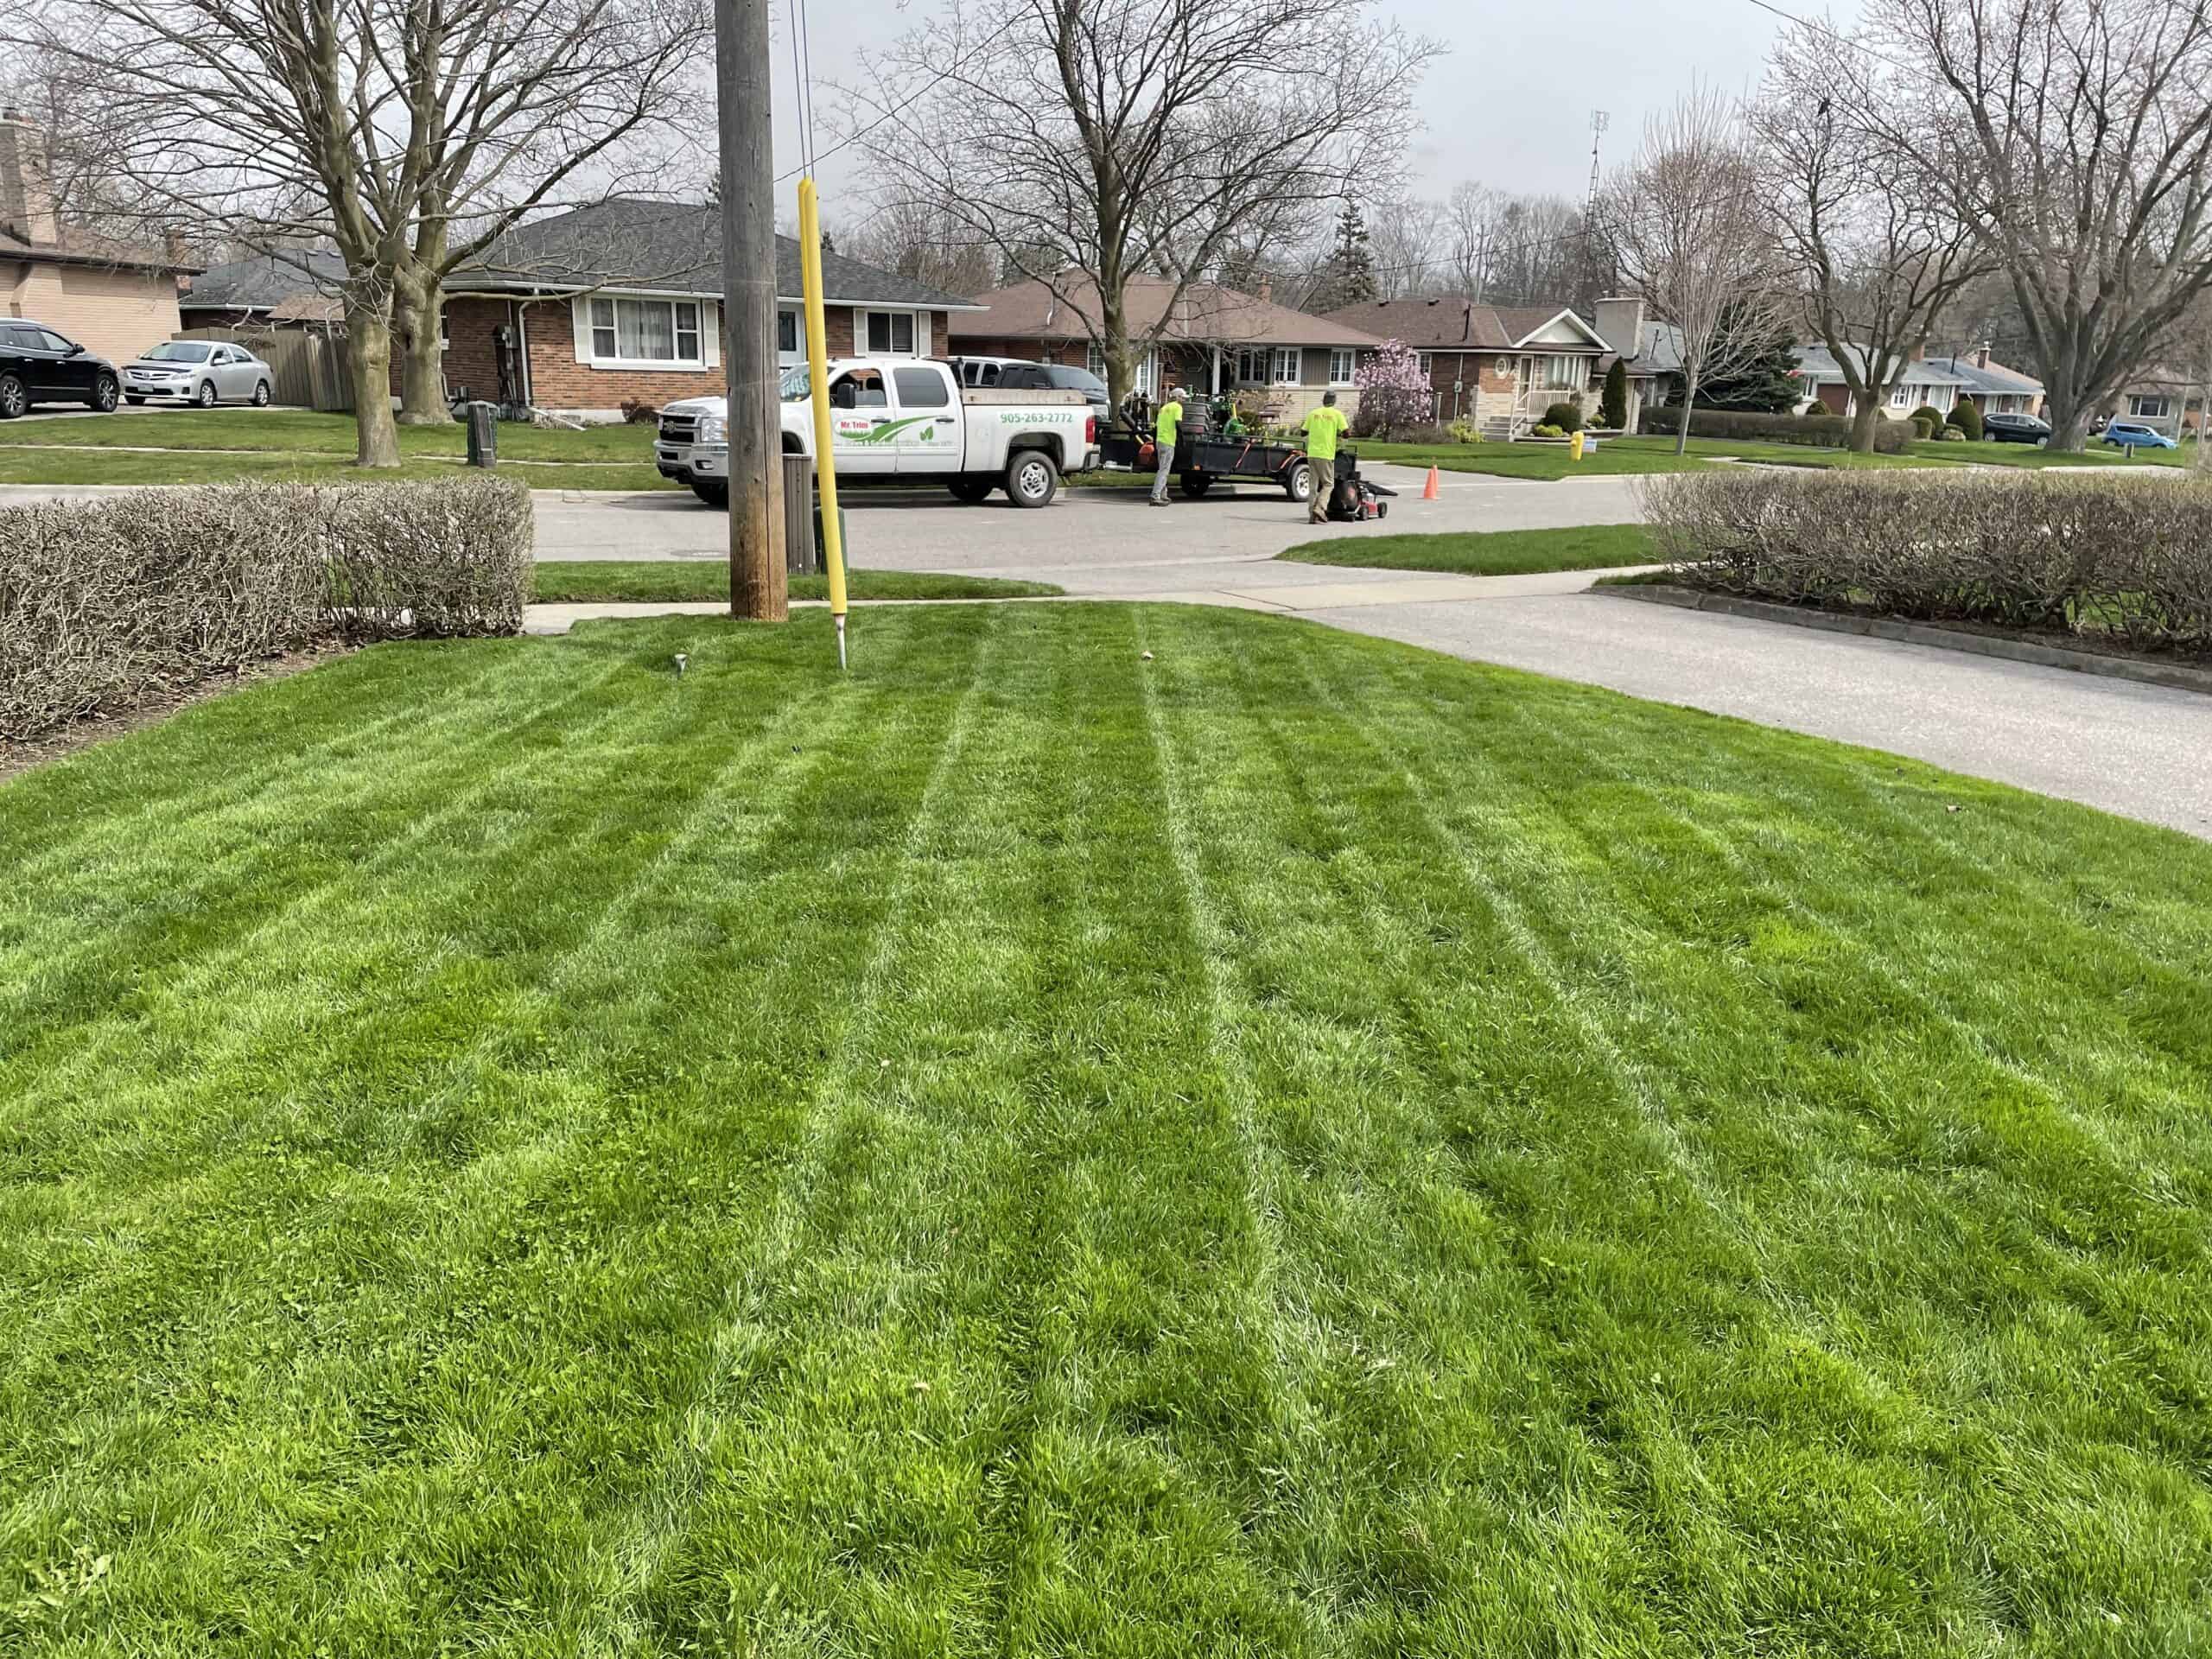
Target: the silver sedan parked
(202, 372)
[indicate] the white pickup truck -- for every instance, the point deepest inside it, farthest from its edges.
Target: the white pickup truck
(907, 418)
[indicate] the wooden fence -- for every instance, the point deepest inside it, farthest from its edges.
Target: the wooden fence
(311, 367)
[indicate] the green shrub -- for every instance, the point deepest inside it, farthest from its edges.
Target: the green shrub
(1931, 413)
(104, 603)
(1612, 405)
(1465, 432)
(1546, 429)
(1952, 434)
(1565, 415)
(2129, 559)
(1826, 431)
(1967, 419)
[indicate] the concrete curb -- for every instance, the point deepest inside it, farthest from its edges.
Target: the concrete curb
(2174, 677)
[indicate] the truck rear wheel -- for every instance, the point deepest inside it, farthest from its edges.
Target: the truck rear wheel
(1195, 485)
(1032, 479)
(968, 488)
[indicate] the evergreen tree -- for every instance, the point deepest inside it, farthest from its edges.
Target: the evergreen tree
(1612, 406)
(1348, 276)
(1764, 382)
(829, 242)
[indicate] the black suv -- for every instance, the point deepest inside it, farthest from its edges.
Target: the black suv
(1052, 377)
(2015, 429)
(38, 366)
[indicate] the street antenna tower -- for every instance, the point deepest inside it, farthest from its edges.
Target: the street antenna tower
(1599, 120)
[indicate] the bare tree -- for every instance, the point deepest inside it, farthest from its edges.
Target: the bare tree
(1407, 246)
(918, 237)
(411, 133)
(1689, 232)
(1877, 252)
(1143, 136)
(2079, 150)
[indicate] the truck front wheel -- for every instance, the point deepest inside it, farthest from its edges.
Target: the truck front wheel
(1032, 479)
(970, 488)
(714, 495)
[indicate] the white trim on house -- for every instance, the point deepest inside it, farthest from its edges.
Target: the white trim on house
(597, 323)
(1543, 334)
(1344, 364)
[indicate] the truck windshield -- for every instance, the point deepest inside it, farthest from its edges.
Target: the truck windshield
(795, 385)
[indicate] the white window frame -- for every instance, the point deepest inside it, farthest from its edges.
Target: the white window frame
(1289, 367)
(1094, 359)
(594, 329)
(916, 336)
(1344, 364)
(795, 353)
(2136, 400)
(1900, 396)
(1427, 360)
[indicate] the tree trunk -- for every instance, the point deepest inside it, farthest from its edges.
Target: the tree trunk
(1864, 412)
(1689, 405)
(417, 302)
(368, 330)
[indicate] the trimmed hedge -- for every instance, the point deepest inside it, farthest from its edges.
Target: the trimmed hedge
(106, 602)
(1820, 431)
(2121, 559)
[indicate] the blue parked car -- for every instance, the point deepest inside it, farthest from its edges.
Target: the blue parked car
(2131, 435)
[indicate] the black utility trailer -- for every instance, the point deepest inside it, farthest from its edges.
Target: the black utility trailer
(1202, 458)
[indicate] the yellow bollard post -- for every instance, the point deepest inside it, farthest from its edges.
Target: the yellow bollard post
(817, 363)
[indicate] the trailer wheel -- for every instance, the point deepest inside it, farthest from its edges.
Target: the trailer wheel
(1032, 479)
(1298, 482)
(970, 489)
(1195, 485)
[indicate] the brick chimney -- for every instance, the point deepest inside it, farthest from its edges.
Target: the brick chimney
(26, 200)
(1982, 355)
(1619, 323)
(1266, 291)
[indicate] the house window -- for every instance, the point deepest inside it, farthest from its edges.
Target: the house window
(2149, 407)
(1286, 365)
(787, 333)
(1899, 397)
(1342, 366)
(1427, 364)
(1095, 359)
(1562, 373)
(646, 331)
(891, 333)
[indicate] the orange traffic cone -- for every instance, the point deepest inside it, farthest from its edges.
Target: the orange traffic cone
(1429, 490)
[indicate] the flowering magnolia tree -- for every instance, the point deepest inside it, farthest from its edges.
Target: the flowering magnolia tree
(1393, 393)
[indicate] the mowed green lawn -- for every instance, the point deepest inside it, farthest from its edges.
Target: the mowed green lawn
(1483, 553)
(1297, 1145)
(660, 581)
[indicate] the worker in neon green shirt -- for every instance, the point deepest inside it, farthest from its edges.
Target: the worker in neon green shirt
(1163, 436)
(1323, 428)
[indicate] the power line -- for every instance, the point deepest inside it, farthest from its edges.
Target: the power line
(903, 105)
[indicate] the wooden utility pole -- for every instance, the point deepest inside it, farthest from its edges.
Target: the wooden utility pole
(758, 588)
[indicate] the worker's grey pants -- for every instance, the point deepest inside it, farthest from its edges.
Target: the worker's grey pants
(1167, 471)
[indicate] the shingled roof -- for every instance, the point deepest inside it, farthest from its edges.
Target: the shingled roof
(670, 247)
(1452, 322)
(263, 281)
(1205, 314)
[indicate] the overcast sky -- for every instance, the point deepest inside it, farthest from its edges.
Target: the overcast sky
(1509, 104)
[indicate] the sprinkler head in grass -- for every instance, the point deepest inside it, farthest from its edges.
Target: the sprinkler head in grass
(681, 660)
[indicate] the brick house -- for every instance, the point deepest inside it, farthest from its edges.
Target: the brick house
(113, 299)
(1208, 338)
(1499, 367)
(622, 301)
